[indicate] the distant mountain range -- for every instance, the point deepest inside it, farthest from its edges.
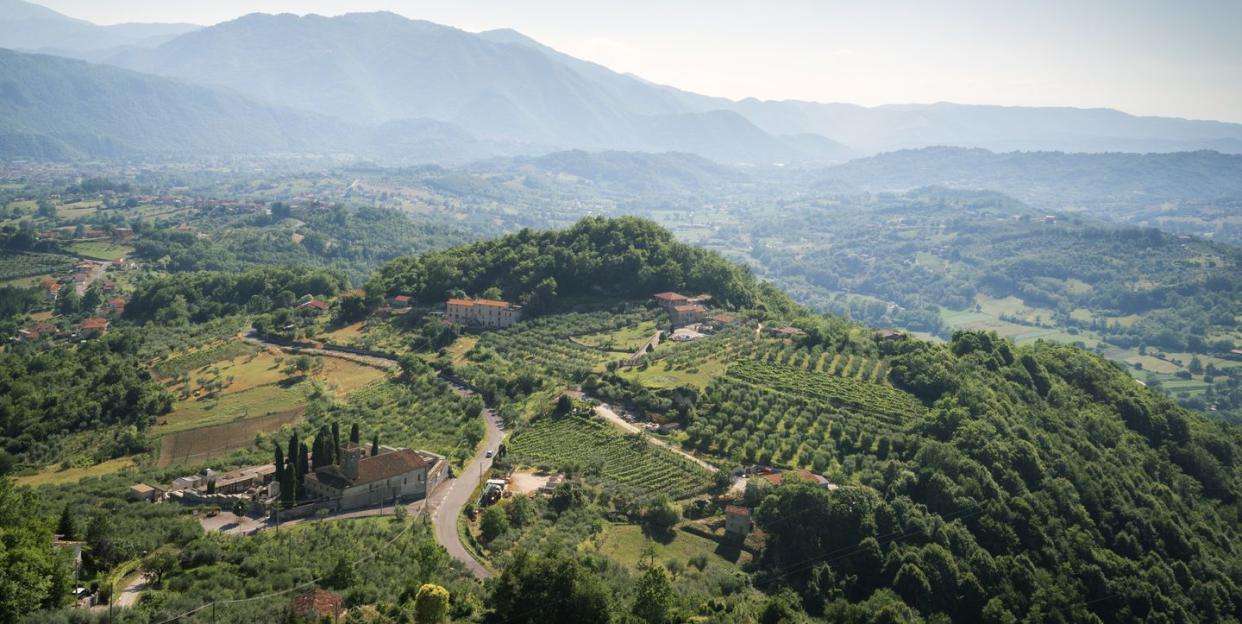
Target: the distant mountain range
(30, 27)
(1048, 179)
(387, 79)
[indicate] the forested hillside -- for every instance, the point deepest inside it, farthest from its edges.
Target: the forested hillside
(624, 257)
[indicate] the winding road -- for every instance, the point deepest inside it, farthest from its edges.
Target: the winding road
(456, 494)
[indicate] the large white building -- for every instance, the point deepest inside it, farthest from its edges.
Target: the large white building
(363, 480)
(482, 312)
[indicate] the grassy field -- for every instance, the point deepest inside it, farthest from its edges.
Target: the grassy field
(54, 475)
(77, 210)
(659, 376)
(627, 339)
(627, 543)
(101, 250)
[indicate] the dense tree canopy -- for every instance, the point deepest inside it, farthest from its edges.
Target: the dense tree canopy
(625, 257)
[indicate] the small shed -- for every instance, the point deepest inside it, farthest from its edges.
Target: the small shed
(737, 521)
(143, 492)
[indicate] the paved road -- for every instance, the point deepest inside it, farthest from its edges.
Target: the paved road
(456, 493)
(606, 411)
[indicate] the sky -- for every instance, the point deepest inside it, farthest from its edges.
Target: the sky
(1146, 57)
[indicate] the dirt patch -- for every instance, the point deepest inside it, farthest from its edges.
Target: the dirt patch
(197, 445)
(527, 482)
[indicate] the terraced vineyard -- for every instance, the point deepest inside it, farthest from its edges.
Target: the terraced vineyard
(19, 264)
(628, 463)
(879, 401)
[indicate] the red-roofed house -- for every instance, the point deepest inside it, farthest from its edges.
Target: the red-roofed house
(314, 304)
(482, 312)
(117, 305)
(668, 300)
(687, 314)
(51, 287)
(94, 325)
(400, 301)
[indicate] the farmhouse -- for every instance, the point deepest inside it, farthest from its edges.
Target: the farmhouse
(51, 288)
(94, 325)
(687, 314)
(668, 300)
(363, 480)
(314, 304)
(482, 312)
(888, 334)
(400, 301)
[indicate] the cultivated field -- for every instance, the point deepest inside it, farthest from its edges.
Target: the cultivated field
(599, 451)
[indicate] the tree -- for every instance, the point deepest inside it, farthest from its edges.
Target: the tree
(494, 523)
(158, 564)
(336, 442)
(65, 526)
(555, 589)
(663, 513)
(279, 462)
(239, 507)
(342, 575)
(354, 434)
(653, 596)
(29, 574)
(375, 445)
(431, 604)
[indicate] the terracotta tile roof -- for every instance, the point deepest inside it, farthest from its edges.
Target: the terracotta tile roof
(670, 296)
(737, 510)
(94, 323)
(315, 303)
(481, 302)
(694, 307)
(371, 469)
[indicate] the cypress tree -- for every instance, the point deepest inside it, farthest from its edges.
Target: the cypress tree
(303, 463)
(65, 527)
(292, 456)
(375, 445)
(336, 443)
(355, 435)
(288, 493)
(280, 465)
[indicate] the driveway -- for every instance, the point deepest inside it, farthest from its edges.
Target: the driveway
(457, 493)
(606, 411)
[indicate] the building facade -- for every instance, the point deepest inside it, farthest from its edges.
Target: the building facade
(362, 480)
(482, 312)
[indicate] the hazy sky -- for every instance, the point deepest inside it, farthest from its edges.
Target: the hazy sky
(1150, 57)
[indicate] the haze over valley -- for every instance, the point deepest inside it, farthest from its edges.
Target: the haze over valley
(352, 316)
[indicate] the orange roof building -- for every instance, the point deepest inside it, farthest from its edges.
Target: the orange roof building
(490, 313)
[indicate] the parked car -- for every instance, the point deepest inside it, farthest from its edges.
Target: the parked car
(489, 453)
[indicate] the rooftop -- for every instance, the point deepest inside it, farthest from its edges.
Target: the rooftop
(737, 510)
(670, 296)
(371, 469)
